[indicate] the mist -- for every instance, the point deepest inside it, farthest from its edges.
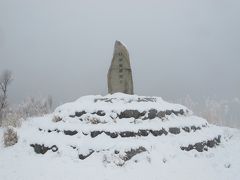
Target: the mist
(177, 48)
(61, 116)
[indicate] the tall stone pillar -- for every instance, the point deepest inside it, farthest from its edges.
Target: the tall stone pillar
(120, 72)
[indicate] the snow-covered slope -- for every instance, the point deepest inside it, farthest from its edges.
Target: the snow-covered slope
(121, 137)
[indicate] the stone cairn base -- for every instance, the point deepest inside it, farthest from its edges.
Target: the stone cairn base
(128, 120)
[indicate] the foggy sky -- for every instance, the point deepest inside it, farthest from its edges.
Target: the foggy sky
(64, 48)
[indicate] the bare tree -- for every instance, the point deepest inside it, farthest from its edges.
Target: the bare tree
(49, 102)
(5, 80)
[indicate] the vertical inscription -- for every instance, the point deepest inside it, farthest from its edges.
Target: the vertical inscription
(120, 74)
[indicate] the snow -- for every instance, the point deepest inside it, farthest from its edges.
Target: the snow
(164, 162)
(163, 158)
(120, 102)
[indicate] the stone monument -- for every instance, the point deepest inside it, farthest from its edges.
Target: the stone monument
(120, 73)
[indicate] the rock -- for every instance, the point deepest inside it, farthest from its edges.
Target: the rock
(218, 140)
(79, 114)
(131, 113)
(127, 134)
(74, 147)
(54, 148)
(82, 157)
(174, 130)
(168, 112)
(198, 128)
(103, 100)
(203, 146)
(161, 114)
(188, 148)
(112, 134)
(69, 132)
(120, 73)
(181, 111)
(186, 129)
(42, 149)
(101, 113)
(146, 99)
(227, 165)
(199, 146)
(95, 133)
(57, 130)
(143, 132)
(152, 113)
(84, 133)
(163, 131)
(193, 128)
(133, 152)
(156, 132)
(210, 143)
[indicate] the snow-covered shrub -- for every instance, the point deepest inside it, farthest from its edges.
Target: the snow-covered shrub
(219, 112)
(209, 109)
(35, 107)
(56, 119)
(214, 111)
(5, 80)
(14, 115)
(93, 120)
(105, 160)
(10, 137)
(11, 118)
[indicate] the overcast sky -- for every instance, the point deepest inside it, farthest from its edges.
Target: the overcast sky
(64, 48)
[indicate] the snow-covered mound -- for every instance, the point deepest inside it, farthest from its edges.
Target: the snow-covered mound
(120, 127)
(117, 134)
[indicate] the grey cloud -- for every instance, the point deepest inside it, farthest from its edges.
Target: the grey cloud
(64, 48)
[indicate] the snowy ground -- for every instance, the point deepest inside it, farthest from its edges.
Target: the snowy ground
(162, 157)
(20, 162)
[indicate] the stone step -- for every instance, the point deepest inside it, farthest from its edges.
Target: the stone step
(127, 154)
(150, 114)
(125, 134)
(204, 145)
